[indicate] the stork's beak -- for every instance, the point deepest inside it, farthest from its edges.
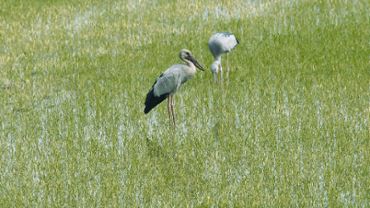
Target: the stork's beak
(195, 62)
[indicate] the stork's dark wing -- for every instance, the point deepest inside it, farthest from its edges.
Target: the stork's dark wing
(151, 100)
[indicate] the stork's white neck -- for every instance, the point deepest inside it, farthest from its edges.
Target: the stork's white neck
(189, 63)
(190, 70)
(218, 59)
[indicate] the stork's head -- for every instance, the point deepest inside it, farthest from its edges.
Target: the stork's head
(186, 55)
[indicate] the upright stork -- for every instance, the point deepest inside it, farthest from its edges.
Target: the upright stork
(169, 82)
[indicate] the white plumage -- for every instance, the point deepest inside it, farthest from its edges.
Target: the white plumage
(169, 82)
(220, 43)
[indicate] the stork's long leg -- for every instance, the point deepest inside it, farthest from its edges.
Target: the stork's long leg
(173, 112)
(169, 108)
(227, 65)
(221, 76)
(215, 76)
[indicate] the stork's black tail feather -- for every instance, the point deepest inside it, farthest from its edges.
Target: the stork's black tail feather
(151, 100)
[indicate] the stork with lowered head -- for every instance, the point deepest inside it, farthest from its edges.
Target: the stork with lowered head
(221, 43)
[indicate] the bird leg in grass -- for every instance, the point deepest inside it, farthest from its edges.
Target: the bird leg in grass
(171, 113)
(215, 76)
(169, 108)
(221, 76)
(227, 65)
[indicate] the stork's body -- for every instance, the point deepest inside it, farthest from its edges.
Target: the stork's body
(221, 43)
(169, 82)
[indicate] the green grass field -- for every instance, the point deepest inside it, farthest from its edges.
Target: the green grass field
(290, 127)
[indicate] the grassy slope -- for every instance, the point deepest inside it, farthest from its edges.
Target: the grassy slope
(291, 127)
